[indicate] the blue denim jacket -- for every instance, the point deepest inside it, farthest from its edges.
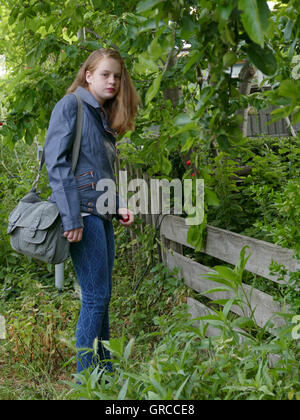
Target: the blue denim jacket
(76, 192)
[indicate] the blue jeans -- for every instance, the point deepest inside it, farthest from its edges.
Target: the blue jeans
(93, 259)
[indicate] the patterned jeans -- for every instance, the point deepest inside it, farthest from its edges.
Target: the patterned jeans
(93, 259)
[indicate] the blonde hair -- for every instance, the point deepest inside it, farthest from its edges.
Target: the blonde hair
(122, 109)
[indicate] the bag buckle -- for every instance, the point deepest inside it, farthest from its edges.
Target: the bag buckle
(33, 228)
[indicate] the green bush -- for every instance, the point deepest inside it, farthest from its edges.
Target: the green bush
(264, 204)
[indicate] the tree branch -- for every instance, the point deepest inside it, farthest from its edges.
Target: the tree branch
(97, 36)
(245, 80)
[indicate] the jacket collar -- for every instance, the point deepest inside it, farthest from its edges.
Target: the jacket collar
(87, 97)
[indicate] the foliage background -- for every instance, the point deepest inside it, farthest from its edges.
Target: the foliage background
(180, 55)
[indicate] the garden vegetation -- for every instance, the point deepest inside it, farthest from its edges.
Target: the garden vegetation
(191, 124)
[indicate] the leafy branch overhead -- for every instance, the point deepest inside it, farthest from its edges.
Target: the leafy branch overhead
(181, 55)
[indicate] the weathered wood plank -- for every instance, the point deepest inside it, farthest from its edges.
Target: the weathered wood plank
(197, 309)
(194, 276)
(140, 215)
(271, 127)
(148, 215)
(255, 121)
(226, 246)
(263, 122)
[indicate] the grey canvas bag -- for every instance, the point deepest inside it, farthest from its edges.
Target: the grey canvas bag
(35, 226)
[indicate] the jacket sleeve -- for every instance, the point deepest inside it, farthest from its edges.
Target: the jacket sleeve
(58, 158)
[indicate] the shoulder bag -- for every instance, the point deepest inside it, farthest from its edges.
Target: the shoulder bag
(34, 225)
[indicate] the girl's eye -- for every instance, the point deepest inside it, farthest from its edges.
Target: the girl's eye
(117, 76)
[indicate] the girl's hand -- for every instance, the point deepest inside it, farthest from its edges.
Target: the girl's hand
(126, 217)
(74, 235)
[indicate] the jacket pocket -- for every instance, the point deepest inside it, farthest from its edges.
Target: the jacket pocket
(84, 174)
(85, 181)
(90, 186)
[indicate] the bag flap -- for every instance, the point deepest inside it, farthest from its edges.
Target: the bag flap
(33, 237)
(34, 215)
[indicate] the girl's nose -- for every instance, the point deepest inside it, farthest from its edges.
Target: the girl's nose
(112, 79)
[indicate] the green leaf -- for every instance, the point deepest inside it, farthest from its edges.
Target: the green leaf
(209, 317)
(153, 396)
(189, 143)
(28, 137)
(115, 346)
(146, 65)
(217, 278)
(182, 119)
(123, 391)
(229, 59)
(266, 391)
(262, 58)
(224, 143)
(224, 11)
(195, 56)
(195, 235)
(178, 392)
(228, 306)
(128, 349)
(289, 89)
(150, 24)
(166, 165)
(288, 30)
(217, 289)
(211, 197)
(146, 5)
(241, 264)
(155, 49)
(188, 26)
(254, 17)
(242, 322)
(205, 95)
(226, 273)
(279, 113)
(212, 320)
(154, 88)
(296, 115)
(264, 14)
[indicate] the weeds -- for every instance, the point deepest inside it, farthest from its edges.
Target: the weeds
(185, 364)
(157, 350)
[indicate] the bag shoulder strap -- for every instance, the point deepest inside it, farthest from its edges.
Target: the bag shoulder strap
(76, 145)
(77, 142)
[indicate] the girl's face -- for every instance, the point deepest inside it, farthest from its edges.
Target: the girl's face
(104, 81)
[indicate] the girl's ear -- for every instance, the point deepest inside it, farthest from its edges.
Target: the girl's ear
(88, 76)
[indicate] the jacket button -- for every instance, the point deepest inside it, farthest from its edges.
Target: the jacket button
(90, 204)
(90, 210)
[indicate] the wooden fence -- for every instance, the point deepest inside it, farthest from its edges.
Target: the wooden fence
(225, 246)
(258, 125)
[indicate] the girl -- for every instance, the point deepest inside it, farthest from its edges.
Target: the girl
(109, 102)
